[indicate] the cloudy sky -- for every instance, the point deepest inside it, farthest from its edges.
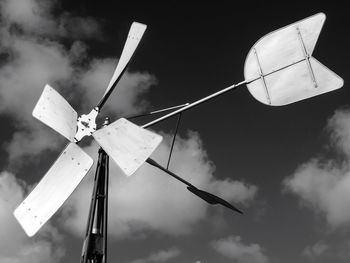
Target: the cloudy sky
(287, 168)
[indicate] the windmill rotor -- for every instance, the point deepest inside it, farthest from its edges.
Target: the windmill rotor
(279, 70)
(54, 111)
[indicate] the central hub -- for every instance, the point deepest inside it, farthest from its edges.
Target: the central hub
(86, 125)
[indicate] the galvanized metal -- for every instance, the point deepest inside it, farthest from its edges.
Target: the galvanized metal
(86, 124)
(95, 242)
(53, 110)
(282, 59)
(53, 189)
(134, 36)
(127, 144)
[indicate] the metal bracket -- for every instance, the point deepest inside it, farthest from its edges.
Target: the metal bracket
(86, 124)
(307, 57)
(262, 77)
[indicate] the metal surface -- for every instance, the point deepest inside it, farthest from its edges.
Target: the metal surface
(174, 138)
(86, 125)
(127, 144)
(206, 196)
(135, 34)
(95, 242)
(53, 110)
(298, 85)
(196, 103)
(156, 111)
(282, 61)
(53, 189)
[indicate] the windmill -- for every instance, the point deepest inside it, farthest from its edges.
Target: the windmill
(279, 70)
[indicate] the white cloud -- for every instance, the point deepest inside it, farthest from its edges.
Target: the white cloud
(324, 185)
(30, 38)
(159, 256)
(317, 250)
(16, 247)
(151, 200)
(36, 17)
(233, 248)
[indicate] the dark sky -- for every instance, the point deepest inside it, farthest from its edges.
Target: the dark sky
(195, 49)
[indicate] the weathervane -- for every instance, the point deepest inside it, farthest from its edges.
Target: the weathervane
(278, 70)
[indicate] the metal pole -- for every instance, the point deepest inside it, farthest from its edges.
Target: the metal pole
(95, 243)
(196, 103)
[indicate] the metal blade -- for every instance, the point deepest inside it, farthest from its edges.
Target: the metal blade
(53, 110)
(53, 189)
(281, 67)
(135, 34)
(127, 144)
(212, 199)
(208, 197)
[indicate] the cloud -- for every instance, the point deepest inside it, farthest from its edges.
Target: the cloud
(18, 248)
(37, 17)
(40, 44)
(126, 98)
(233, 248)
(151, 200)
(159, 256)
(317, 250)
(324, 184)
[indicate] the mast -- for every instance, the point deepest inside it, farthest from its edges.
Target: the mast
(95, 242)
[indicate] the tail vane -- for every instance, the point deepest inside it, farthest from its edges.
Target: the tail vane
(279, 68)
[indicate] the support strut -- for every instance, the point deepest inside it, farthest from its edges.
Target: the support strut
(95, 243)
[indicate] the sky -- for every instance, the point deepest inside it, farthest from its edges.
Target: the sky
(287, 168)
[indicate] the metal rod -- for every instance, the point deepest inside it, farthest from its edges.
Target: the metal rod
(196, 103)
(105, 222)
(91, 218)
(155, 164)
(157, 111)
(174, 138)
(223, 91)
(262, 76)
(307, 57)
(95, 242)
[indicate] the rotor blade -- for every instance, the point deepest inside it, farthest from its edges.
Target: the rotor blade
(53, 189)
(281, 66)
(135, 34)
(53, 110)
(208, 197)
(127, 144)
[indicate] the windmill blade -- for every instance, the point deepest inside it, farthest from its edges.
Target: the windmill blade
(135, 34)
(53, 110)
(281, 67)
(127, 144)
(53, 189)
(208, 197)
